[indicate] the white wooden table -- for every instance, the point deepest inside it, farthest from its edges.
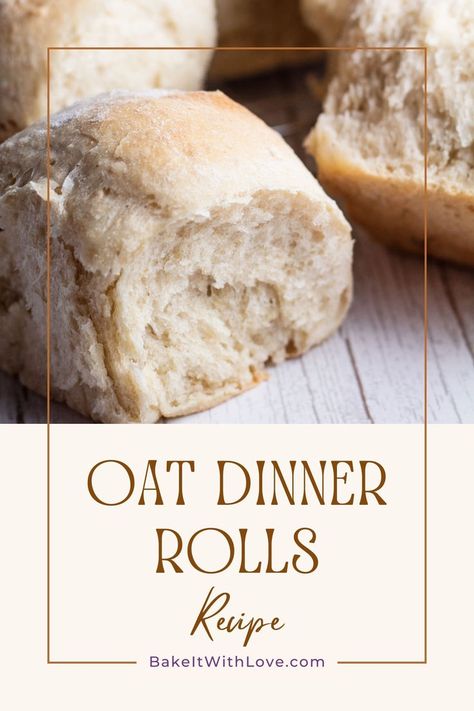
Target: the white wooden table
(371, 370)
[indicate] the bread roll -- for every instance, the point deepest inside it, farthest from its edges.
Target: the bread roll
(190, 247)
(28, 27)
(368, 143)
(326, 17)
(260, 23)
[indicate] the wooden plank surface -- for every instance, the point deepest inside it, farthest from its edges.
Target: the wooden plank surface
(371, 370)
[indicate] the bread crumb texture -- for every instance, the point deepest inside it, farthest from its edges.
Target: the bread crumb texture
(189, 248)
(369, 142)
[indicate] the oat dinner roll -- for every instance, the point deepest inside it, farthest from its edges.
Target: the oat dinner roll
(28, 27)
(190, 247)
(368, 142)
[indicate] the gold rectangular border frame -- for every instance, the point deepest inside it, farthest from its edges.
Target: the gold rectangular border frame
(424, 51)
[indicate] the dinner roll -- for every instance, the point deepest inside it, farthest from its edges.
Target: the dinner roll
(368, 143)
(28, 27)
(190, 247)
(260, 23)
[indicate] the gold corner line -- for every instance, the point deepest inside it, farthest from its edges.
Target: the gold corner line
(423, 661)
(48, 355)
(422, 48)
(54, 662)
(213, 48)
(425, 349)
(414, 661)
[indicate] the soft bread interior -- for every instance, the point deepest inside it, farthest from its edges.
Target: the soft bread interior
(369, 143)
(195, 316)
(374, 111)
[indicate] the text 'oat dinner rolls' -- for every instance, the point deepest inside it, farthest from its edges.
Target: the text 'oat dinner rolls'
(28, 27)
(368, 143)
(190, 246)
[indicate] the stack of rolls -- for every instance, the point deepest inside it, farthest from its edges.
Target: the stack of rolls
(190, 247)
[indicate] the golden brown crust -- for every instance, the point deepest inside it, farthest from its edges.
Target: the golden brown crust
(213, 145)
(392, 209)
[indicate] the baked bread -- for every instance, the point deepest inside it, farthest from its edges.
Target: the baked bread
(326, 17)
(28, 27)
(190, 247)
(368, 143)
(260, 23)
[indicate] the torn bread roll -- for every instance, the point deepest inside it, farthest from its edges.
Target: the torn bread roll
(369, 141)
(189, 248)
(28, 27)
